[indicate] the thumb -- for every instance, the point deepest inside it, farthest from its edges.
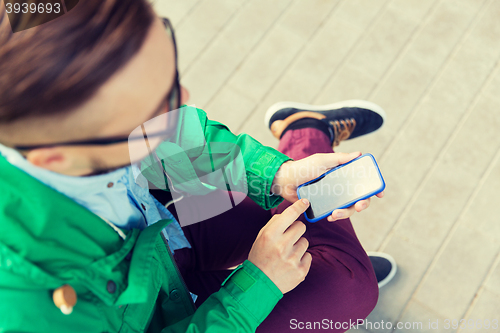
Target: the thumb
(336, 159)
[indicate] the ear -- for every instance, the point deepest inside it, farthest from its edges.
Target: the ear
(52, 159)
(184, 95)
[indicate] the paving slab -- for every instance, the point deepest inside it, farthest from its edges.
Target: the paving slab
(480, 215)
(493, 281)
(201, 26)
(219, 61)
(373, 55)
(453, 281)
(315, 64)
(419, 318)
(484, 315)
(424, 60)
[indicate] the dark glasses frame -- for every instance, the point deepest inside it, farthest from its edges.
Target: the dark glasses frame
(172, 100)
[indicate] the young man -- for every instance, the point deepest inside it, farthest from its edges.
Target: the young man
(85, 247)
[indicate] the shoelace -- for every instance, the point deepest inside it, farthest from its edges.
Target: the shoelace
(342, 129)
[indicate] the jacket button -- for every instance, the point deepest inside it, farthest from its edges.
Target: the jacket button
(175, 295)
(111, 287)
(143, 207)
(65, 298)
(110, 185)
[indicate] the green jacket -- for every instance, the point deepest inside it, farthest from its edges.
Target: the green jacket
(47, 240)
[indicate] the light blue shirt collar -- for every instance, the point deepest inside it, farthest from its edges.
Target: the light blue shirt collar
(115, 196)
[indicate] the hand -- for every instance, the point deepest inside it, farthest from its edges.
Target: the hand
(280, 250)
(291, 174)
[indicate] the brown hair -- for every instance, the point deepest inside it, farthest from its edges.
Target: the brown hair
(57, 66)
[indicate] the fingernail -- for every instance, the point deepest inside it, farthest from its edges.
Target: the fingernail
(339, 215)
(363, 206)
(330, 219)
(305, 201)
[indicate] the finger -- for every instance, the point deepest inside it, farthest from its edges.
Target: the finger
(289, 215)
(318, 164)
(294, 232)
(381, 194)
(300, 247)
(362, 205)
(335, 159)
(339, 214)
(290, 194)
(306, 261)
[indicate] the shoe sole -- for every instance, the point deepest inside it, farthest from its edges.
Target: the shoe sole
(393, 271)
(353, 103)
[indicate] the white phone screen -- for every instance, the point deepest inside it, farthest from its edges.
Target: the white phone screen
(343, 186)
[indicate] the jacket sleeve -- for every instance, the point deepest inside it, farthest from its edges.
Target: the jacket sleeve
(260, 162)
(245, 299)
(204, 155)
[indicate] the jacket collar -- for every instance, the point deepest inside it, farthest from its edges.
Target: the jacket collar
(47, 240)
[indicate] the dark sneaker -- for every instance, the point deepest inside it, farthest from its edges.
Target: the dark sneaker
(346, 120)
(384, 266)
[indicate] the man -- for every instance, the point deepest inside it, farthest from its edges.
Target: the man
(85, 247)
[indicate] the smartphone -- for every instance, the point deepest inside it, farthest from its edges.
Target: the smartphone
(342, 187)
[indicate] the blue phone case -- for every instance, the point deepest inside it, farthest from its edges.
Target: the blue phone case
(350, 203)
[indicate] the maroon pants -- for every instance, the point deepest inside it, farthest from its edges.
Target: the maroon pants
(340, 287)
